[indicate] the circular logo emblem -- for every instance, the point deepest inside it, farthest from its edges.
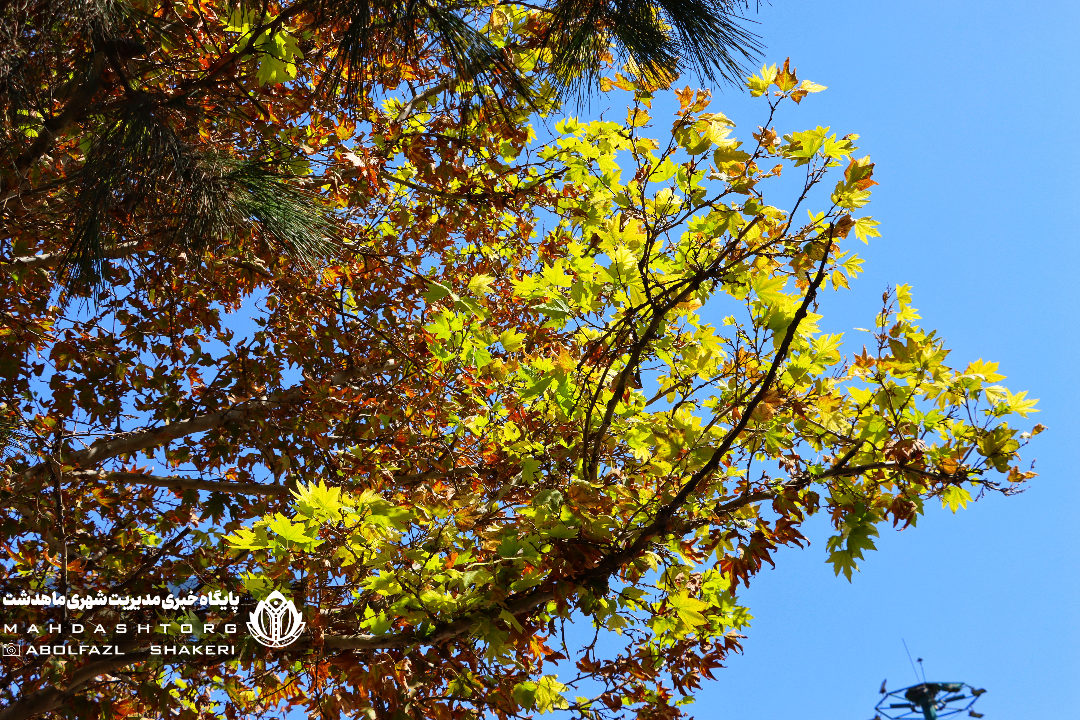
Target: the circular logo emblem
(275, 621)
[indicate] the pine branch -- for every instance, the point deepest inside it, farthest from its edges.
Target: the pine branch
(188, 200)
(657, 38)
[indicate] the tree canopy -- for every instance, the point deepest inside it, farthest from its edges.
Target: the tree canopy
(284, 311)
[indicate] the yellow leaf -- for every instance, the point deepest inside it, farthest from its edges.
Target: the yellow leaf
(785, 79)
(480, 284)
(986, 370)
(636, 117)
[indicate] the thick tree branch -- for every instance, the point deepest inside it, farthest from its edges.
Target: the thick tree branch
(518, 606)
(149, 561)
(902, 467)
(51, 260)
(450, 472)
(49, 698)
(407, 111)
(132, 442)
(185, 483)
(675, 295)
(77, 107)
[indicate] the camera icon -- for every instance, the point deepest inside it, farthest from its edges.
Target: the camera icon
(12, 650)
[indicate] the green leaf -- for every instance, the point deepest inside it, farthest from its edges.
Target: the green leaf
(664, 172)
(316, 500)
(273, 71)
(556, 308)
(480, 284)
(525, 694)
(278, 60)
(856, 535)
(529, 466)
(435, 292)
(688, 609)
(955, 497)
(461, 686)
(770, 289)
(728, 152)
(246, 539)
(292, 533)
(240, 21)
(999, 446)
(511, 340)
(1008, 402)
(636, 117)
(759, 84)
(537, 387)
(987, 371)
(376, 623)
(548, 695)
(802, 146)
(510, 620)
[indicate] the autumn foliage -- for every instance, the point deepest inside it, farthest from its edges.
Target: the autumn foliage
(447, 367)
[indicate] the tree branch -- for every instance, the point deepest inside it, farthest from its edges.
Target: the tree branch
(407, 111)
(132, 442)
(860, 469)
(153, 558)
(660, 522)
(49, 698)
(185, 483)
(51, 260)
(472, 197)
(450, 472)
(77, 107)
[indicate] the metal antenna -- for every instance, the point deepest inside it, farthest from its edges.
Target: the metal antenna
(929, 701)
(926, 700)
(911, 661)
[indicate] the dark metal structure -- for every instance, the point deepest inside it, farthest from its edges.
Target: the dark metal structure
(929, 701)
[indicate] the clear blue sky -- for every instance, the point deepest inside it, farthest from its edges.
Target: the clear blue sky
(968, 109)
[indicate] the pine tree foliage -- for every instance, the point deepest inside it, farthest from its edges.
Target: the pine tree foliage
(659, 39)
(91, 68)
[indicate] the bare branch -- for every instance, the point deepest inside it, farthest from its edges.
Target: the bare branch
(132, 442)
(51, 260)
(902, 467)
(407, 111)
(185, 483)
